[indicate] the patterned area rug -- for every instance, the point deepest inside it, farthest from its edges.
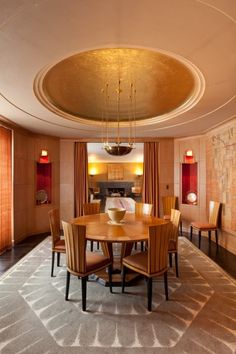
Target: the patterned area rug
(200, 316)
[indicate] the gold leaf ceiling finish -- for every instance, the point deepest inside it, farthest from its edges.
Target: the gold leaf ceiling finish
(74, 85)
(40, 39)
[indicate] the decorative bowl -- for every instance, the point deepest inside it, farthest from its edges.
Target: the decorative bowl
(116, 214)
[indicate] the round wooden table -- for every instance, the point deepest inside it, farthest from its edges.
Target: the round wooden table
(133, 228)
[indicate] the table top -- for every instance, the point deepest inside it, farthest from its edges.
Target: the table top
(132, 228)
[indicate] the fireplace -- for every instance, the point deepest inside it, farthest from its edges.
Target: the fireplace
(120, 189)
(116, 192)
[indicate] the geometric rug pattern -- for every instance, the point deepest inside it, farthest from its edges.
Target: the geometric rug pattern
(200, 316)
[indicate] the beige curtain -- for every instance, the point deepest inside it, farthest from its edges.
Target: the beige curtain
(81, 177)
(5, 189)
(150, 192)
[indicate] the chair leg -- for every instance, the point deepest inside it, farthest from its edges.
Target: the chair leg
(209, 236)
(216, 233)
(176, 265)
(110, 277)
(199, 239)
(97, 245)
(124, 270)
(84, 291)
(67, 285)
(191, 233)
(170, 259)
(142, 248)
(149, 293)
(166, 285)
(58, 259)
(181, 228)
(135, 245)
(91, 246)
(53, 258)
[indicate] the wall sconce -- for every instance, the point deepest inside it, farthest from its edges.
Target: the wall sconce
(139, 172)
(188, 156)
(92, 172)
(44, 158)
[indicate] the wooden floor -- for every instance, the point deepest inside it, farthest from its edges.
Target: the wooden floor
(222, 257)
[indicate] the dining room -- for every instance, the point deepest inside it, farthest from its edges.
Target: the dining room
(126, 109)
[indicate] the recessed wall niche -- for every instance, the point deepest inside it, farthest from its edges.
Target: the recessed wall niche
(189, 183)
(43, 183)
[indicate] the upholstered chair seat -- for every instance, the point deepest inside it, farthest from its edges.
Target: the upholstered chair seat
(203, 225)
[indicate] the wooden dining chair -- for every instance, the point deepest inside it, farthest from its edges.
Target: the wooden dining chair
(173, 240)
(58, 245)
(170, 202)
(142, 209)
(80, 262)
(211, 225)
(90, 209)
(153, 262)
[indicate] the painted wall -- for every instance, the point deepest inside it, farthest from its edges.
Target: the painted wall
(30, 218)
(99, 169)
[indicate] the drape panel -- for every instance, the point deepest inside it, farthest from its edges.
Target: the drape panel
(150, 192)
(5, 189)
(81, 177)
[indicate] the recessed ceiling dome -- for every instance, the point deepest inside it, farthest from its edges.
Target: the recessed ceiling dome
(74, 87)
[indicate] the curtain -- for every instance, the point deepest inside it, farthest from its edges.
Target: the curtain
(81, 177)
(150, 192)
(5, 189)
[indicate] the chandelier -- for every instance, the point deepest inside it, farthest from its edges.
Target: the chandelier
(115, 146)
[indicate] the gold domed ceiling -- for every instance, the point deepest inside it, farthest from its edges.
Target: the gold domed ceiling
(74, 88)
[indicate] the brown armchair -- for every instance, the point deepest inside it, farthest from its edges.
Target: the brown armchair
(80, 262)
(58, 245)
(152, 262)
(211, 225)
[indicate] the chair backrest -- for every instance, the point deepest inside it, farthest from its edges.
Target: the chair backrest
(91, 208)
(175, 220)
(158, 242)
(214, 209)
(75, 241)
(168, 203)
(54, 222)
(143, 209)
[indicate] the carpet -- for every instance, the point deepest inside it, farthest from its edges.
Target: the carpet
(200, 316)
